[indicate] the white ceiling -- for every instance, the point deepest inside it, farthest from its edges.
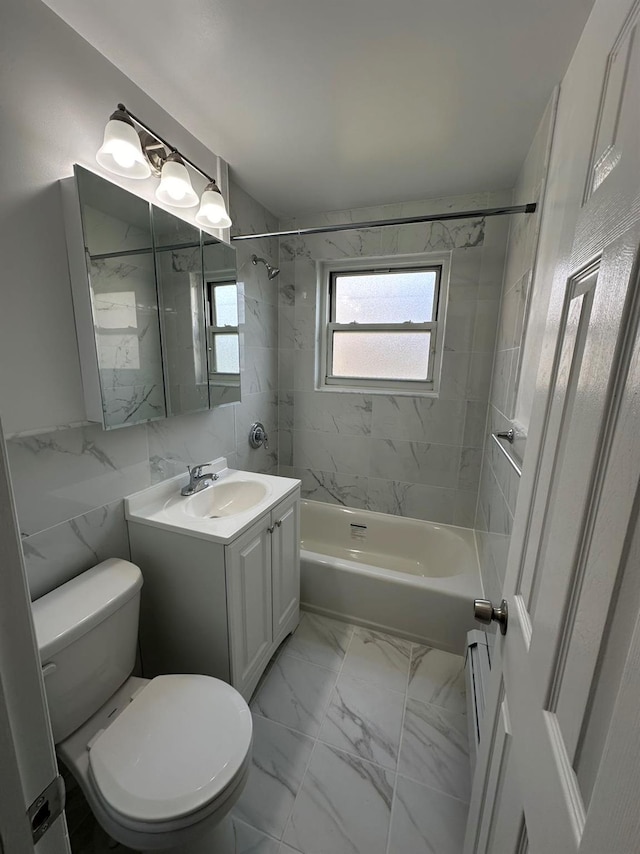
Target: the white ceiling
(328, 104)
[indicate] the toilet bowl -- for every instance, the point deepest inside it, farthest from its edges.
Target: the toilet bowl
(161, 761)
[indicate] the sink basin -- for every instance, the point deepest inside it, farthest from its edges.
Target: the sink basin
(219, 513)
(225, 499)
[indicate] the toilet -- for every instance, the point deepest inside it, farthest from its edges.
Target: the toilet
(161, 761)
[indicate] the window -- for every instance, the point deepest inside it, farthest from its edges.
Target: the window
(382, 326)
(223, 329)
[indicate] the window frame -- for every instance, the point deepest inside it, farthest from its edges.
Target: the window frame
(213, 331)
(327, 271)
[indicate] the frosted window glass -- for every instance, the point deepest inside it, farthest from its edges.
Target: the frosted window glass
(226, 305)
(227, 354)
(384, 297)
(381, 355)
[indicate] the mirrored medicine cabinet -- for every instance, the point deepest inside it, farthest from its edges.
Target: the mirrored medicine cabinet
(156, 307)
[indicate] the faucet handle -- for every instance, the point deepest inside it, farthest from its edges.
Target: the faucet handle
(258, 435)
(196, 471)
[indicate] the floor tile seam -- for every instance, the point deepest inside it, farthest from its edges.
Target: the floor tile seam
(338, 674)
(364, 681)
(312, 738)
(393, 800)
(391, 811)
(316, 741)
(376, 682)
(402, 731)
(297, 795)
(395, 773)
(447, 713)
(358, 756)
(389, 771)
(306, 661)
(432, 789)
(437, 706)
(406, 776)
(257, 829)
(302, 658)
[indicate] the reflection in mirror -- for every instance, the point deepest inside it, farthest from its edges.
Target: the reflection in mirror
(182, 313)
(118, 249)
(223, 338)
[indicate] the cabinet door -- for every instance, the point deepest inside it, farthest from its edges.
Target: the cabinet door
(285, 561)
(248, 569)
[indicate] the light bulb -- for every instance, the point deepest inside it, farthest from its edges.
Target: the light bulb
(210, 213)
(175, 189)
(123, 154)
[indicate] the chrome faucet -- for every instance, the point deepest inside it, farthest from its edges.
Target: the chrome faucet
(197, 480)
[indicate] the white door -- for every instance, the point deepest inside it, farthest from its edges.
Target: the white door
(558, 771)
(248, 570)
(27, 758)
(285, 562)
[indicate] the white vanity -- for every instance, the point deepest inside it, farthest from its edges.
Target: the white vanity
(221, 573)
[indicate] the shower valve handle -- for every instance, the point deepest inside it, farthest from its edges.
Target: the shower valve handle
(258, 436)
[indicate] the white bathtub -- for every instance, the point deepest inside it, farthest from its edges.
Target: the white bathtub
(415, 579)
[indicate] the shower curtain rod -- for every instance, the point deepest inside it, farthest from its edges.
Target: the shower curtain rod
(406, 220)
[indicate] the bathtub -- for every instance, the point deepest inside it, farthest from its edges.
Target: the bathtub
(414, 579)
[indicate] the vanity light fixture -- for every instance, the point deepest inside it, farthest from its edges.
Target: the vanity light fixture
(212, 208)
(138, 154)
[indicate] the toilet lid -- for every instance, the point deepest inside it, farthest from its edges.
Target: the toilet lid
(173, 749)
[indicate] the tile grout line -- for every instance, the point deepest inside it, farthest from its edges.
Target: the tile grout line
(437, 707)
(363, 682)
(315, 740)
(404, 711)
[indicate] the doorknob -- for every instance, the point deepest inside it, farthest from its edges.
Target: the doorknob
(484, 612)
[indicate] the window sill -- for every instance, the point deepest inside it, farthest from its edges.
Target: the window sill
(389, 391)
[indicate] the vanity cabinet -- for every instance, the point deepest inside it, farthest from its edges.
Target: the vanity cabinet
(263, 590)
(216, 609)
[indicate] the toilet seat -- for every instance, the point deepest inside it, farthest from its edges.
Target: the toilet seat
(175, 750)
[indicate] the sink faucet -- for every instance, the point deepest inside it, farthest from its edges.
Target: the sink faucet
(197, 480)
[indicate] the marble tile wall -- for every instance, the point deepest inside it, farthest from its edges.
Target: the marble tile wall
(69, 483)
(411, 456)
(511, 389)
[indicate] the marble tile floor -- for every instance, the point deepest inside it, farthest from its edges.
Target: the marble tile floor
(360, 747)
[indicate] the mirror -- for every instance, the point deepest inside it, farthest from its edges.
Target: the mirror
(158, 323)
(122, 282)
(222, 319)
(182, 321)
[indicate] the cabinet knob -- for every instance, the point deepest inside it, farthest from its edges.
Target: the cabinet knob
(270, 529)
(278, 523)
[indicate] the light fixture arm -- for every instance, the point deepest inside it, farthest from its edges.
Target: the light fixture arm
(152, 150)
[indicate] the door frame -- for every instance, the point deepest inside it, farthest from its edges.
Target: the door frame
(27, 753)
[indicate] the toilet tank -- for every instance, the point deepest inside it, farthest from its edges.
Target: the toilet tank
(87, 632)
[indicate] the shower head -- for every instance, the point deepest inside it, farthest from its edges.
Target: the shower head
(272, 272)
